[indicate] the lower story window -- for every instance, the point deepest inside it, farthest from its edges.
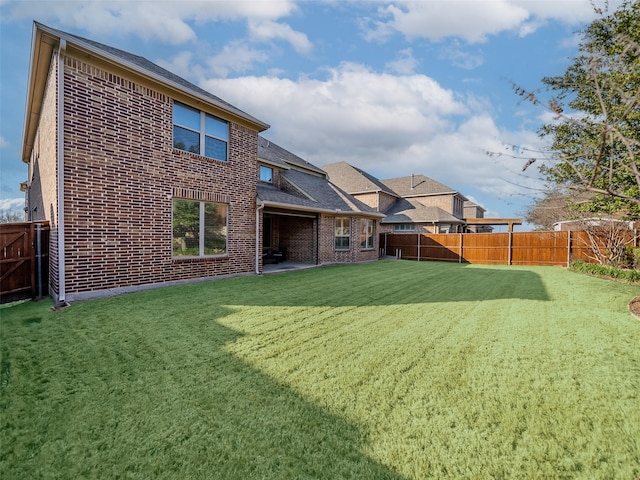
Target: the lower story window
(404, 227)
(366, 234)
(199, 228)
(342, 233)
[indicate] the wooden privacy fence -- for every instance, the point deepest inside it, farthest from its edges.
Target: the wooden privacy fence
(514, 248)
(24, 260)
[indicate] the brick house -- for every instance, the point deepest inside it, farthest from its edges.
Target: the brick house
(415, 203)
(148, 180)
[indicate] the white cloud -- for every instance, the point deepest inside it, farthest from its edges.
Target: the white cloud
(235, 57)
(474, 21)
(387, 125)
(3, 142)
(404, 64)
(11, 203)
(461, 58)
(436, 20)
(266, 30)
(167, 22)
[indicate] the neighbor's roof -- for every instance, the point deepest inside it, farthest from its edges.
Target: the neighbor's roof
(45, 42)
(412, 211)
(353, 180)
(419, 185)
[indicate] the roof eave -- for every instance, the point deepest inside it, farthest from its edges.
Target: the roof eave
(42, 47)
(302, 208)
(44, 36)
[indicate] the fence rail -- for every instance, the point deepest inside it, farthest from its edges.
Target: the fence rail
(513, 248)
(24, 262)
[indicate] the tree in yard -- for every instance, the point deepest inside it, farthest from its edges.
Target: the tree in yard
(11, 216)
(555, 206)
(595, 147)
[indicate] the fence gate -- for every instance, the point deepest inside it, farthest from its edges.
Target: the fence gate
(24, 260)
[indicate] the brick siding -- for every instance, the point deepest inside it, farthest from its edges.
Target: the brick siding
(121, 175)
(43, 173)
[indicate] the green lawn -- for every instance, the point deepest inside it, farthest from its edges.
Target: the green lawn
(395, 369)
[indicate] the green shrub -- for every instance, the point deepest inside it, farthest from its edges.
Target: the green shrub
(631, 276)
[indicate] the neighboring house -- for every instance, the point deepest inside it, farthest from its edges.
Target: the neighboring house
(415, 204)
(473, 210)
(147, 180)
(595, 223)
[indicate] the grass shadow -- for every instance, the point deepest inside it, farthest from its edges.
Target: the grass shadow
(397, 283)
(112, 389)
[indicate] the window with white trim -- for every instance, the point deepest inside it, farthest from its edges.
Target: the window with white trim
(342, 233)
(404, 227)
(266, 174)
(366, 234)
(199, 228)
(198, 132)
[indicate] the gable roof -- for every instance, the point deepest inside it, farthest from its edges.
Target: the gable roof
(46, 40)
(353, 180)
(419, 185)
(407, 210)
(307, 186)
(315, 194)
(274, 154)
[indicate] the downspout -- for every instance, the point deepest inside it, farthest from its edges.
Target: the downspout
(258, 208)
(61, 248)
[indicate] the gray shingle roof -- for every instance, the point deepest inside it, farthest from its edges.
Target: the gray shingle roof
(412, 211)
(422, 185)
(319, 194)
(273, 153)
(144, 65)
(353, 180)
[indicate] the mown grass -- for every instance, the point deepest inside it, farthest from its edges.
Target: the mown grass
(386, 370)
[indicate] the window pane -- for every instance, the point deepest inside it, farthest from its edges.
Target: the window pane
(342, 243)
(186, 230)
(216, 128)
(186, 116)
(186, 140)
(366, 235)
(266, 174)
(214, 148)
(215, 229)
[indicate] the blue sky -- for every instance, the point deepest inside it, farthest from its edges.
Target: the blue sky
(392, 87)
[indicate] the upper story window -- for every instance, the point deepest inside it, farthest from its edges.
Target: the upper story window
(342, 233)
(266, 174)
(198, 132)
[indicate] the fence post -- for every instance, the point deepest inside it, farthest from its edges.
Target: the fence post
(418, 238)
(32, 255)
(568, 248)
(39, 257)
(460, 252)
(510, 253)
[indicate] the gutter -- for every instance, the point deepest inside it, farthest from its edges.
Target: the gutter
(60, 142)
(352, 213)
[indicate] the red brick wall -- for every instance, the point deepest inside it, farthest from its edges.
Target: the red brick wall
(121, 174)
(298, 236)
(327, 252)
(43, 176)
